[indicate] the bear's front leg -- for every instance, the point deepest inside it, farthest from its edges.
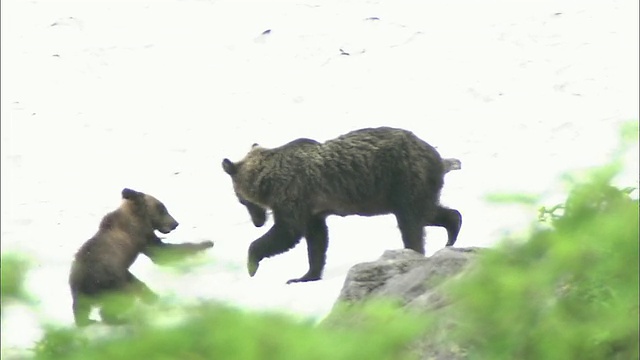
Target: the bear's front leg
(317, 237)
(309, 276)
(280, 238)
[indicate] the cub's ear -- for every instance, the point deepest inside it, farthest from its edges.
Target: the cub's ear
(130, 194)
(229, 167)
(255, 145)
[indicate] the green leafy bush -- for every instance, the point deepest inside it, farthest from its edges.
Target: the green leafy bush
(13, 269)
(213, 331)
(569, 292)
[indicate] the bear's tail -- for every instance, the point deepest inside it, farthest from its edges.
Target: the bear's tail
(451, 164)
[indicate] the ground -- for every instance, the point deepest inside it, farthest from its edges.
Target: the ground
(152, 95)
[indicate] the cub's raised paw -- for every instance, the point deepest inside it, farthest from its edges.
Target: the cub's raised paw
(206, 244)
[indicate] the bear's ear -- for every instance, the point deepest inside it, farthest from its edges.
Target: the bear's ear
(130, 194)
(229, 167)
(255, 145)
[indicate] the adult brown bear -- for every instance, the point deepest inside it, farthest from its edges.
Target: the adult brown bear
(366, 172)
(101, 266)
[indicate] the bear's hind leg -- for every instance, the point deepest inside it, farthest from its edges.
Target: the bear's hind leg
(451, 220)
(317, 237)
(412, 231)
(81, 310)
(114, 306)
(112, 312)
(140, 290)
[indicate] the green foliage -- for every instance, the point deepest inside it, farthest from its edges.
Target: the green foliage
(214, 331)
(14, 270)
(629, 135)
(569, 292)
(60, 342)
(210, 331)
(508, 198)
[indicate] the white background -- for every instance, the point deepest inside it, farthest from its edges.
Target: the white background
(152, 95)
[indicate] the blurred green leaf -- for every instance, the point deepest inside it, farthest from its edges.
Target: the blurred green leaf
(14, 271)
(512, 198)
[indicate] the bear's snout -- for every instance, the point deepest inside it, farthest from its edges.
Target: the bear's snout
(257, 213)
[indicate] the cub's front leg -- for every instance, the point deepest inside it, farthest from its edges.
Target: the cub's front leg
(163, 253)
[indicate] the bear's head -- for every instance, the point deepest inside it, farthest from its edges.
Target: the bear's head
(235, 170)
(150, 209)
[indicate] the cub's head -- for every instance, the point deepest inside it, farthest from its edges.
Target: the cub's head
(150, 209)
(240, 175)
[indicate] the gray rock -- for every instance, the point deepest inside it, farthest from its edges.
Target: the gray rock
(365, 279)
(415, 281)
(404, 275)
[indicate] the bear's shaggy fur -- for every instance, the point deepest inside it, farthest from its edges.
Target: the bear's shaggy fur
(101, 266)
(366, 172)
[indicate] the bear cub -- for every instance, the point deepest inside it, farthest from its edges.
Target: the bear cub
(366, 172)
(101, 265)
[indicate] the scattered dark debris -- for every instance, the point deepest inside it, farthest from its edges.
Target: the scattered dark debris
(55, 55)
(557, 14)
(262, 37)
(372, 18)
(57, 23)
(176, 173)
(342, 52)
